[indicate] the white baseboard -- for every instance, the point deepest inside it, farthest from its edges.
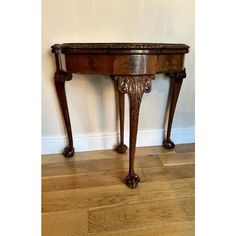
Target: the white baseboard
(52, 145)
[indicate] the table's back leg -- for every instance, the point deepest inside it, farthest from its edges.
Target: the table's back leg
(59, 78)
(121, 148)
(177, 79)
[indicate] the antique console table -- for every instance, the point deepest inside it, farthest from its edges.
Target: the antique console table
(133, 66)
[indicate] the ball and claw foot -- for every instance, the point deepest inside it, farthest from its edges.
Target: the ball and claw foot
(132, 180)
(168, 144)
(121, 148)
(69, 152)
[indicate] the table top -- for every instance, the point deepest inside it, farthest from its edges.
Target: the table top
(69, 47)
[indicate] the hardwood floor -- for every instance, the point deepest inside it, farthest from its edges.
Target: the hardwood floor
(85, 195)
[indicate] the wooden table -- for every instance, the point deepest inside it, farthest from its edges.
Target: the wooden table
(133, 66)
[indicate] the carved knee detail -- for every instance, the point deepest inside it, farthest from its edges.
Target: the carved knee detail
(62, 76)
(134, 84)
(178, 75)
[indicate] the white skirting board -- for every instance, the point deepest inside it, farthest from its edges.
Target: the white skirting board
(102, 141)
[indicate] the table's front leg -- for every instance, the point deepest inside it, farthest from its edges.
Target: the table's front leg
(59, 78)
(176, 80)
(134, 86)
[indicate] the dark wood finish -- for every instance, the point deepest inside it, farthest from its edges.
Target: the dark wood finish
(121, 148)
(176, 80)
(59, 78)
(133, 66)
(134, 86)
(123, 64)
(74, 47)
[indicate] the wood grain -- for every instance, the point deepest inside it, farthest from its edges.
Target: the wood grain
(165, 63)
(184, 228)
(86, 180)
(87, 196)
(132, 215)
(177, 159)
(190, 147)
(105, 164)
(76, 167)
(134, 64)
(89, 64)
(153, 150)
(94, 155)
(169, 172)
(116, 195)
(65, 223)
(78, 156)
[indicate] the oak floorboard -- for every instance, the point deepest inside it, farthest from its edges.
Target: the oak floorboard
(87, 166)
(185, 228)
(169, 172)
(182, 148)
(86, 180)
(65, 223)
(116, 195)
(153, 150)
(78, 156)
(85, 195)
(115, 177)
(103, 154)
(132, 215)
(178, 159)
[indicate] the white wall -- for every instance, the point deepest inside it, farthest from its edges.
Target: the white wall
(91, 98)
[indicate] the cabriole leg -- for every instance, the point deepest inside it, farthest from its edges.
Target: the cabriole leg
(59, 78)
(121, 148)
(177, 79)
(134, 86)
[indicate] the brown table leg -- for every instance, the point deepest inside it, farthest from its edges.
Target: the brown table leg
(134, 86)
(177, 79)
(59, 78)
(121, 148)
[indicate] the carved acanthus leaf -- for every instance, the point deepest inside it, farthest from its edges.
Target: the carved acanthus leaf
(135, 86)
